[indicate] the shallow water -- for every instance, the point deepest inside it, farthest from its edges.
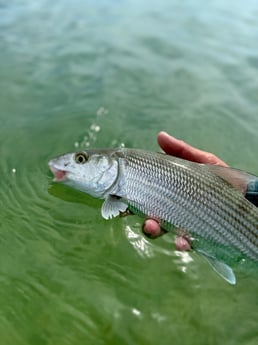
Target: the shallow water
(86, 73)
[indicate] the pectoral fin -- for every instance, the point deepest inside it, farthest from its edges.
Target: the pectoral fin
(112, 207)
(220, 267)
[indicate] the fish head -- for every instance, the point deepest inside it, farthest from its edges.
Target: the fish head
(93, 172)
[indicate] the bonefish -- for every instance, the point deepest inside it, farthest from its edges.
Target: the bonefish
(209, 202)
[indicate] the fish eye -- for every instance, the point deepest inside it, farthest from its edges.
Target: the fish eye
(80, 158)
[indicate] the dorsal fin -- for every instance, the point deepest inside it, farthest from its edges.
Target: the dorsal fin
(239, 179)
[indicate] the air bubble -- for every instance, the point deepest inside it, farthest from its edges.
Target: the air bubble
(95, 128)
(101, 111)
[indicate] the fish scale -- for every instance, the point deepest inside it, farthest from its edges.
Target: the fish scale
(185, 192)
(171, 193)
(227, 217)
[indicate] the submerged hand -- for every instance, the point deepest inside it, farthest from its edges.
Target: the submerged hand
(178, 148)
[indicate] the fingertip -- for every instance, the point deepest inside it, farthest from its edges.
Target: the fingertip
(161, 133)
(182, 243)
(151, 228)
(162, 136)
(166, 142)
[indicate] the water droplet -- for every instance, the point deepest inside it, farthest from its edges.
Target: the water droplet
(101, 111)
(13, 170)
(97, 128)
(158, 317)
(136, 312)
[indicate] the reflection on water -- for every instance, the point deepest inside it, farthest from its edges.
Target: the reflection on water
(108, 74)
(140, 244)
(147, 249)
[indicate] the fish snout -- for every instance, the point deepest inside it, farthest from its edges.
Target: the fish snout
(59, 174)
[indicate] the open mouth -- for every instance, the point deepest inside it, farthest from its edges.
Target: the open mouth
(59, 175)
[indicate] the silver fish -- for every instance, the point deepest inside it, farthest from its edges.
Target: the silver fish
(208, 202)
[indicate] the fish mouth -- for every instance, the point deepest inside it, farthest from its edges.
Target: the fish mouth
(59, 175)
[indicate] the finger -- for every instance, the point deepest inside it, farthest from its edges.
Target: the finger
(182, 243)
(179, 148)
(151, 228)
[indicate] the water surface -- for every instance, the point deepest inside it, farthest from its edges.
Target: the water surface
(104, 73)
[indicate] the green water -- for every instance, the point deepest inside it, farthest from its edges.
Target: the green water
(103, 73)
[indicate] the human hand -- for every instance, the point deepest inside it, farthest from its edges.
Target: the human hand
(178, 148)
